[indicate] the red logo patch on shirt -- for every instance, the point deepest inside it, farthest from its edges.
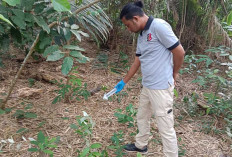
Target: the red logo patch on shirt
(149, 37)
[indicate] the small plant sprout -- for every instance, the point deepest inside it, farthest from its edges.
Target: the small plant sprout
(117, 140)
(124, 117)
(43, 144)
(84, 127)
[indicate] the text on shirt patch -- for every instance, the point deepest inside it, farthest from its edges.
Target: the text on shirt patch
(149, 37)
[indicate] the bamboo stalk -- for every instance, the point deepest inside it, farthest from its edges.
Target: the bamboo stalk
(183, 18)
(3, 103)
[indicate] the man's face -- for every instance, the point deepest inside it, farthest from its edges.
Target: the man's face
(132, 24)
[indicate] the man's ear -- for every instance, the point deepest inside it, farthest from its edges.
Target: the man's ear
(136, 18)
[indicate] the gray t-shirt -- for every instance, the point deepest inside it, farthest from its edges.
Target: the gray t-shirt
(154, 47)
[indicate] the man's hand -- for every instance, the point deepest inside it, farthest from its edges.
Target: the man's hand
(178, 59)
(175, 76)
(120, 86)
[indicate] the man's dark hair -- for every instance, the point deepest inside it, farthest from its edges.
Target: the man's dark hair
(132, 9)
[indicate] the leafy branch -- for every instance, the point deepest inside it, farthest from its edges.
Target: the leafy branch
(3, 103)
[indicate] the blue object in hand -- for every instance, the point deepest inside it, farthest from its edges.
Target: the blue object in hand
(120, 86)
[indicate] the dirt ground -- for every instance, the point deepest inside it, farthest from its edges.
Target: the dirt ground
(192, 142)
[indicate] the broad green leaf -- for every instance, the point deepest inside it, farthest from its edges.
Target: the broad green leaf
(50, 50)
(19, 13)
(19, 22)
(66, 24)
(5, 19)
(83, 33)
(76, 54)
(74, 26)
(30, 115)
(76, 34)
(33, 150)
(48, 151)
(21, 130)
(27, 4)
(35, 142)
(104, 153)
(82, 60)
(8, 110)
(85, 152)
(29, 17)
(139, 154)
(2, 111)
(29, 106)
(46, 141)
(222, 80)
(12, 2)
(61, 5)
(67, 65)
(45, 42)
(208, 62)
(130, 119)
(55, 56)
(73, 126)
(40, 137)
(41, 146)
(72, 47)
(75, 81)
(68, 35)
(229, 19)
(40, 21)
(51, 145)
(215, 71)
(52, 140)
(16, 35)
(18, 113)
(96, 146)
(39, 7)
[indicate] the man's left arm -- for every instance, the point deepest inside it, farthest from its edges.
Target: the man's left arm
(178, 59)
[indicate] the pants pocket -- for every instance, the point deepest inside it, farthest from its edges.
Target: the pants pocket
(165, 122)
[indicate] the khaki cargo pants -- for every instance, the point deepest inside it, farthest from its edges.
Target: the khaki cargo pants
(159, 103)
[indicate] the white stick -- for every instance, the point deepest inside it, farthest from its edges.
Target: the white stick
(107, 95)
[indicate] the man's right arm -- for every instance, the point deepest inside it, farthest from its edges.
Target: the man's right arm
(133, 69)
